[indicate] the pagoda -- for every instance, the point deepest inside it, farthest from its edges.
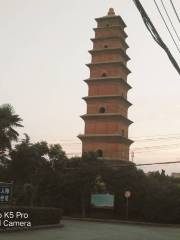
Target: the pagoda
(106, 120)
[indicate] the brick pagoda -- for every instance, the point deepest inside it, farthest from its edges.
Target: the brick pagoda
(106, 121)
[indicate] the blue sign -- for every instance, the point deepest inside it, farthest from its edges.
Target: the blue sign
(102, 200)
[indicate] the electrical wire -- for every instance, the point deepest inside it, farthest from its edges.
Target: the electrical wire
(156, 147)
(156, 163)
(138, 150)
(156, 139)
(141, 150)
(166, 26)
(159, 135)
(155, 34)
(139, 164)
(146, 137)
(170, 20)
(136, 139)
(175, 10)
(154, 150)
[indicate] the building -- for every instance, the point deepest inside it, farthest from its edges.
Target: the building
(106, 120)
(175, 175)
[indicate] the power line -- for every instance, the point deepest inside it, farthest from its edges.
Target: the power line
(139, 140)
(170, 20)
(159, 135)
(155, 34)
(136, 140)
(147, 149)
(143, 149)
(73, 143)
(139, 164)
(71, 140)
(166, 25)
(175, 10)
(147, 164)
(74, 154)
(157, 139)
(156, 163)
(153, 150)
(158, 146)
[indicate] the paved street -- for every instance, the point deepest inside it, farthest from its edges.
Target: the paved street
(77, 230)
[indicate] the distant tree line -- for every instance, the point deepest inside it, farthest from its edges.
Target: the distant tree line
(43, 175)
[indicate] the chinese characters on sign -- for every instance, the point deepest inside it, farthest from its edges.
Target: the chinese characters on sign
(5, 192)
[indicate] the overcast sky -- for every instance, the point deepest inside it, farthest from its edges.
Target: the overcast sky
(43, 51)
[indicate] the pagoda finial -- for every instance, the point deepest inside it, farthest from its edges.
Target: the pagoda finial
(111, 12)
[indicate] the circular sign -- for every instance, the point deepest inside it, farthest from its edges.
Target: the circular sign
(127, 194)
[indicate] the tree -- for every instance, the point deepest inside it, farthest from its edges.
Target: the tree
(57, 156)
(8, 121)
(26, 159)
(125, 178)
(81, 179)
(162, 201)
(36, 179)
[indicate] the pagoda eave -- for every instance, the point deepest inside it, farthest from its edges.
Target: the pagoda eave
(111, 17)
(118, 27)
(107, 97)
(95, 51)
(105, 137)
(107, 115)
(110, 63)
(108, 79)
(111, 37)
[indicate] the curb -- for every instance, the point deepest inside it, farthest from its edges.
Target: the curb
(150, 224)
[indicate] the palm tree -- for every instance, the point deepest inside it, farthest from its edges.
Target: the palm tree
(8, 121)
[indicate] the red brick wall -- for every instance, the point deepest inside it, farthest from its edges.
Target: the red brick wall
(109, 32)
(111, 43)
(110, 70)
(105, 127)
(108, 56)
(108, 88)
(110, 150)
(111, 106)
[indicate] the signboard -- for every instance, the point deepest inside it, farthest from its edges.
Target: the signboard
(102, 200)
(127, 194)
(5, 192)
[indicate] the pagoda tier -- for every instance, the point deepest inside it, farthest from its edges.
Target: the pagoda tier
(112, 41)
(116, 80)
(106, 120)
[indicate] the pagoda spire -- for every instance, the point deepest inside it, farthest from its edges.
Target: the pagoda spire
(111, 12)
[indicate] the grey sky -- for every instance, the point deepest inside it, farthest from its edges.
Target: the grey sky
(43, 51)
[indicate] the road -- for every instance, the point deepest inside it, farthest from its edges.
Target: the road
(78, 230)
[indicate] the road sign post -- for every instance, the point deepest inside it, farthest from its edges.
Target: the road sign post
(127, 195)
